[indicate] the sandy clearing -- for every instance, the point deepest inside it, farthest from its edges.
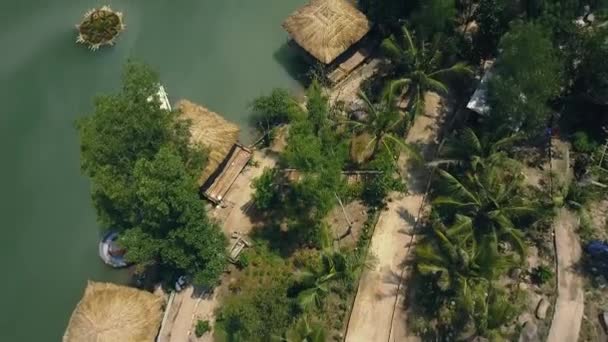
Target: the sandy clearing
(379, 312)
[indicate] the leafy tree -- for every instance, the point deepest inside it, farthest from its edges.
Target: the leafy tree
(143, 172)
(170, 226)
(275, 109)
(127, 127)
(593, 71)
(318, 152)
(492, 17)
(385, 13)
(317, 107)
(418, 68)
(377, 188)
(527, 77)
(266, 188)
(433, 17)
(201, 328)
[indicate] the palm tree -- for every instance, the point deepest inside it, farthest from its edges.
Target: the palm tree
(467, 148)
(334, 266)
(381, 127)
(304, 331)
(455, 253)
(492, 197)
(419, 68)
(465, 268)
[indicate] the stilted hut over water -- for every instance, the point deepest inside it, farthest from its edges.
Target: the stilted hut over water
(227, 157)
(109, 313)
(326, 29)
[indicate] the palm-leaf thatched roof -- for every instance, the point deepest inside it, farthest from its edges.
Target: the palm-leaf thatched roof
(326, 28)
(210, 130)
(109, 313)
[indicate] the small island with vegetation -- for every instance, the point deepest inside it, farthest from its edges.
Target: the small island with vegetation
(100, 26)
(443, 178)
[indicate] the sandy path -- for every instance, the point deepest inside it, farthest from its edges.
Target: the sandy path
(570, 304)
(379, 310)
(233, 217)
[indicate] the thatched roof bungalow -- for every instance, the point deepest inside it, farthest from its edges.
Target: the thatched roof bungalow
(210, 130)
(327, 28)
(109, 313)
(219, 136)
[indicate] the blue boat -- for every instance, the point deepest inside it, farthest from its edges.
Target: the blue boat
(110, 252)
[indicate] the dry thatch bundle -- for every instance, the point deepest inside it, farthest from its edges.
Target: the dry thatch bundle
(109, 313)
(326, 28)
(211, 131)
(99, 27)
(360, 148)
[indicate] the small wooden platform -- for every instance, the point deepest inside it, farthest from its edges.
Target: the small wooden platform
(231, 168)
(345, 68)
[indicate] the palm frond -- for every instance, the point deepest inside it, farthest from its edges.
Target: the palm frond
(459, 68)
(435, 85)
(408, 38)
(506, 142)
(453, 186)
(308, 298)
(471, 142)
(391, 48)
(411, 150)
(452, 202)
(462, 225)
(395, 87)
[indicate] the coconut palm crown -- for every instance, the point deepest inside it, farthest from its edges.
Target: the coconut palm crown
(418, 68)
(100, 26)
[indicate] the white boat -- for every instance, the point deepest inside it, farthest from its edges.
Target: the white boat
(164, 98)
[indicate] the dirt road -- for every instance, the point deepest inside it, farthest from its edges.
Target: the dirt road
(570, 304)
(374, 317)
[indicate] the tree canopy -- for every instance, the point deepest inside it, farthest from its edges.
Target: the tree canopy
(527, 77)
(143, 173)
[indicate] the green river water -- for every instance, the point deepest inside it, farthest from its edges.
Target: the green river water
(220, 53)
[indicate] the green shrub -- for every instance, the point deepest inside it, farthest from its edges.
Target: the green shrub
(582, 143)
(266, 191)
(243, 260)
(201, 328)
(542, 274)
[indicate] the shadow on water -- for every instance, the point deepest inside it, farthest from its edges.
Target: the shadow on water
(293, 62)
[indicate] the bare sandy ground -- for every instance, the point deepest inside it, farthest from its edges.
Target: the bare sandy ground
(379, 310)
(233, 216)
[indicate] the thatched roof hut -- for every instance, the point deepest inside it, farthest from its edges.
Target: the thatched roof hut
(210, 130)
(327, 28)
(108, 313)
